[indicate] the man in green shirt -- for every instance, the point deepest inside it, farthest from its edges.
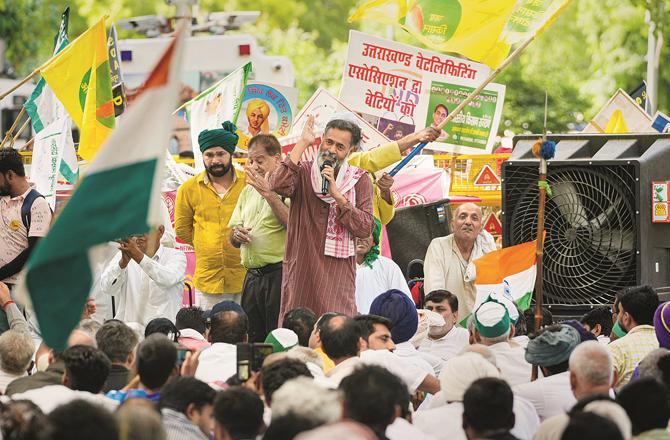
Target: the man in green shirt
(259, 229)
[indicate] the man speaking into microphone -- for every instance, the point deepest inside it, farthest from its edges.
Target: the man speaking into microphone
(331, 205)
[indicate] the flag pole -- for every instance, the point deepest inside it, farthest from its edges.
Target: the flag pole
(8, 135)
(18, 133)
(514, 55)
(19, 84)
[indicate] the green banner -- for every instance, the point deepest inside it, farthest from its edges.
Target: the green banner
(472, 126)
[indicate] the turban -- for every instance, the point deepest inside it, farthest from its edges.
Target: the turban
(492, 319)
(427, 319)
(373, 253)
(583, 334)
(259, 104)
(282, 339)
(225, 138)
(552, 347)
(662, 324)
(400, 309)
(459, 372)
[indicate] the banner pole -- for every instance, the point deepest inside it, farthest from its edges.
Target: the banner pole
(514, 55)
(19, 84)
(9, 133)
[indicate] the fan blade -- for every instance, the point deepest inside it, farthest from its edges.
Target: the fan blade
(565, 196)
(612, 240)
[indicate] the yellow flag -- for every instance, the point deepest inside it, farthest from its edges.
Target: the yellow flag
(482, 30)
(80, 78)
(617, 123)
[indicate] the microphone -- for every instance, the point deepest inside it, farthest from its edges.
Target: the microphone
(324, 181)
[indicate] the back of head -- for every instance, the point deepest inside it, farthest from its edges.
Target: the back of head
(640, 302)
(273, 376)
(591, 363)
(589, 425)
(492, 322)
(371, 394)
(183, 391)
(599, 316)
(163, 326)
(399, 308)
(191, 317)
(10, 160)
(16, 351)
(301, 321)
(86, 368)
(139, 423)
(116, 340)
(239, 412)
(551, 347)
(89, 326)
(23, 420)
(288, 426)
(156, 358)
(303, 397)
(82, 420)
(656, 365)
(487, 406)
(529, 317)
(340, 337)
(228, 327)
(646, 403)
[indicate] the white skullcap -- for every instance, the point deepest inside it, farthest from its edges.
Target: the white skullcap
(459, 372)
(490, 313)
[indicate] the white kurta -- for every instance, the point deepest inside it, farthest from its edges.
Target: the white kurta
(549, 395)
(372, 282)
(445, 269)
(446, 422)
(512, 363)
(161, 277)
(448, 345)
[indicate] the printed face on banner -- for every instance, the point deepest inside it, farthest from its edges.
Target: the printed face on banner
(266, 109)
(388, 81)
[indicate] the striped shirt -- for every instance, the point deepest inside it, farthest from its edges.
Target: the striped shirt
(310, 278)
(179, 427)
(628, 351)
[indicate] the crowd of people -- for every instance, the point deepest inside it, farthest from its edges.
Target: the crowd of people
(288, 262)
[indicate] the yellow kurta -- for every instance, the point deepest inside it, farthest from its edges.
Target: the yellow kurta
(201, 219)
(373, 161)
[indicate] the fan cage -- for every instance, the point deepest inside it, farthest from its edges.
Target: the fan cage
(591, 228)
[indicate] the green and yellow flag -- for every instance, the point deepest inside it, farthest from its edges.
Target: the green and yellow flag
(482, 30)
(80, 78)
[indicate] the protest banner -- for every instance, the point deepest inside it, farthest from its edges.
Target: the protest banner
(266, 108)
(323, 106)
(634, 116)
(170, 198)
(118, 87)
(407, 87)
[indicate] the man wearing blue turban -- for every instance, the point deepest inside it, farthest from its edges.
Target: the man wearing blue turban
(203, 209)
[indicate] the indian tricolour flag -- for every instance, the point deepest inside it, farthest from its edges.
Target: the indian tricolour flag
(118, 197)
(508, 272)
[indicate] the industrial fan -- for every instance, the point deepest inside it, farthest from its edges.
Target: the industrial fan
(590, 221)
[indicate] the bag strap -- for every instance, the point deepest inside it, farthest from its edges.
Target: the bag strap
(27, 206)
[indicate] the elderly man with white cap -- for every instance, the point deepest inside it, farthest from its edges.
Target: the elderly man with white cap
(493, 327)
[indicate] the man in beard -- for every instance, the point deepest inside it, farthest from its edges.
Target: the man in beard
(25, 216)
(331, 205)
(203, 209)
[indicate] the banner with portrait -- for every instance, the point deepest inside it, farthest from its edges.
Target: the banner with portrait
(400, 89)
(266, 108)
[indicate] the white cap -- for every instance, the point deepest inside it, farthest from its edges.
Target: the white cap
(346, 116)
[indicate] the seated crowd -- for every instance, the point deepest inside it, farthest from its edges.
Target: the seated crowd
(395, 373)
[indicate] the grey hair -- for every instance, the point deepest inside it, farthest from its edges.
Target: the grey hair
(303, 397)
(89, 326)
(16, 351)
(649, 365)
(591, 361)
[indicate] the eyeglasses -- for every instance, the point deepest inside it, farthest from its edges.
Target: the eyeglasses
(212, 155)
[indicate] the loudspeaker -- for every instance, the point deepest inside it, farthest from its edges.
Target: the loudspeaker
(412, 229)
(600, 237)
